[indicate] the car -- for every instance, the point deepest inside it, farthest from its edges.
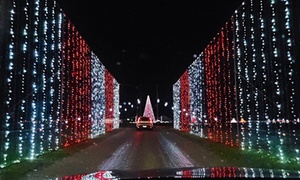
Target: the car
(144, 123)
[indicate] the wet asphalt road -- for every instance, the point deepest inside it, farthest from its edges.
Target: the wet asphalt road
(130, 149)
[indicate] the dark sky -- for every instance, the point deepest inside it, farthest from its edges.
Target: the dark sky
(148, 42)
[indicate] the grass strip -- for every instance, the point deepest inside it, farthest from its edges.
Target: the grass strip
(20, 170)
(242, 158)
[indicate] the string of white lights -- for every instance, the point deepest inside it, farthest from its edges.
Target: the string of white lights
(176, 105)
(116, 104)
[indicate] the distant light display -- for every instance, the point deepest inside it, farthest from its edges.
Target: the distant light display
(148, 111)
(49, 82)
(250, 81)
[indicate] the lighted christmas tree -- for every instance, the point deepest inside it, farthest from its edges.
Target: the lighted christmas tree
(148, 111)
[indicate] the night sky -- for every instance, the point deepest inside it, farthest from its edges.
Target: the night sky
(147, 44)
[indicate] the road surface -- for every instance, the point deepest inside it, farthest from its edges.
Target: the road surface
(129, 149)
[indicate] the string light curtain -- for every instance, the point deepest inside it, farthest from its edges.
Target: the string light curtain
(109, 96)
(251, 86)
(76, 117)
(116, 91)
(46, 72)
(196, 79)
(98, 97)
(176, 105)
(267, 42)
(185, 116)
(30, 100)
(219, 81)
